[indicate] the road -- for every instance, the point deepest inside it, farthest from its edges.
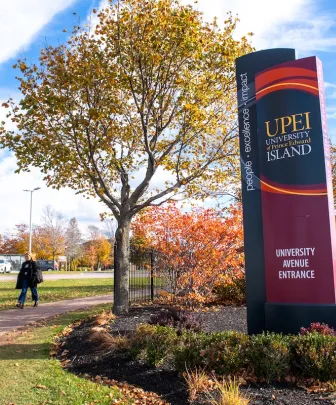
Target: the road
(62, 276)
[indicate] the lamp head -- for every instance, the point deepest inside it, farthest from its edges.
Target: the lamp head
(36, 188)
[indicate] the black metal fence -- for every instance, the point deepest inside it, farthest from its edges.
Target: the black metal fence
(145, 280)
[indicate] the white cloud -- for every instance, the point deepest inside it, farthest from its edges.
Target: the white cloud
(5, 94)
(332, 116)
(21, 20)
(330, 90)
(15, 203)
(92, 19)
(286, 23)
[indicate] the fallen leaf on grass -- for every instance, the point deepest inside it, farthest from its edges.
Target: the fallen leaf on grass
(43, 387)
(67, 331)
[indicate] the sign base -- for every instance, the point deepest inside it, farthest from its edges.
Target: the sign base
(289, 318)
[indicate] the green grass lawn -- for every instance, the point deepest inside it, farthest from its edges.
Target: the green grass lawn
(56, 290)
(29, 377)
(61, 272)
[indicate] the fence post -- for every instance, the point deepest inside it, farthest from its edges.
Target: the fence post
(152, 275)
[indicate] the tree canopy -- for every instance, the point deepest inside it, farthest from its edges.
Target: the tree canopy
(147, 94)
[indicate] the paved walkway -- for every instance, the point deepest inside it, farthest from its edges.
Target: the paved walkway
(13, 319)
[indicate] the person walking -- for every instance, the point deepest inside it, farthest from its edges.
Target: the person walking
(29, 276)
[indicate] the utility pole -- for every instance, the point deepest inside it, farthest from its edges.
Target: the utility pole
(30, 219)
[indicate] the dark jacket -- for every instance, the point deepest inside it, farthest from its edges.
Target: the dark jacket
(33, 274)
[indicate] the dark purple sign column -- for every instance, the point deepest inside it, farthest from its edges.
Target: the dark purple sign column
(297, 200)
(247, 67)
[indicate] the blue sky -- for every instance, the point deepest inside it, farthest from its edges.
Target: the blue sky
(51, 33)
(26, 26)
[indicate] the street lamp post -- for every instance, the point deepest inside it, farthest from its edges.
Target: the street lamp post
(30, 219)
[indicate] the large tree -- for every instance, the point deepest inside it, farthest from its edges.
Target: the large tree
(149, 91)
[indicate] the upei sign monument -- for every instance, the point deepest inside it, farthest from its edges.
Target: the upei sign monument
(289, 224)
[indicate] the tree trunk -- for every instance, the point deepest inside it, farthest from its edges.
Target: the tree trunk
(121, 269)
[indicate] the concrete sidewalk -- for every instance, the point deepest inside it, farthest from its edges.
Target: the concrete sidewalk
(13, 319)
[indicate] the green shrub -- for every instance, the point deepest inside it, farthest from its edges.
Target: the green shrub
(189, 350)
(222, 352)
(160, 345)
(269, 356)
(314, 355)
(155, 341)
(233, 292)
(141, 337)
(226, 353)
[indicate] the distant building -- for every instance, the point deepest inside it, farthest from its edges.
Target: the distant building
(15, 259)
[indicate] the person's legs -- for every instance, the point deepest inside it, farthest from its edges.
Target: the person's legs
(22, 296)
(35, 296)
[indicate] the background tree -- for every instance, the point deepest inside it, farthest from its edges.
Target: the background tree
(109, 229)
(52, 233)
(94, 232)
(89, 256)
(73, 242)
(197, 250)
(15, 241)
(41, 243)
(104, 252)
(150, 90)
(97, 250)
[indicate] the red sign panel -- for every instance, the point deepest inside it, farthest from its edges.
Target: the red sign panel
(296, 189)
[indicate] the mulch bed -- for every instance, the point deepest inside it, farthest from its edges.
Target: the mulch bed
(83, 356)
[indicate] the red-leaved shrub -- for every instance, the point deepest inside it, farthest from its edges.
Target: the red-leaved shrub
(320, 328)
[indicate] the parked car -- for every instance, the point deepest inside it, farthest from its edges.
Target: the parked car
(47, 265)
(5, 266)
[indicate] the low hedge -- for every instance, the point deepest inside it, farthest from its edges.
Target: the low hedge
(267, 357)
(314, 355)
